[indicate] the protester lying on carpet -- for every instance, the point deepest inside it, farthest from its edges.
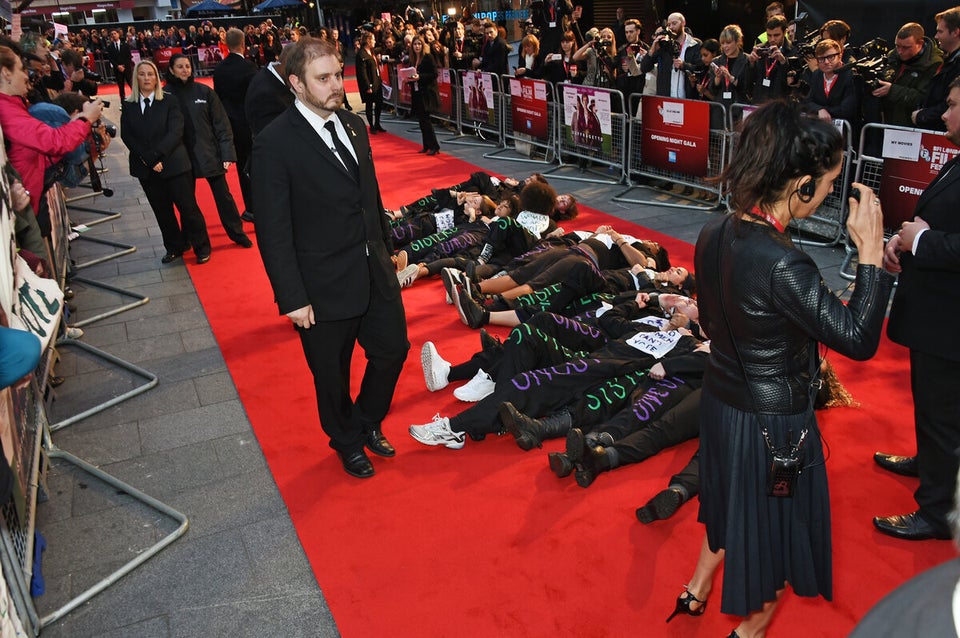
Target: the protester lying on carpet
(543, 338)
(451, 210)
(580, 382)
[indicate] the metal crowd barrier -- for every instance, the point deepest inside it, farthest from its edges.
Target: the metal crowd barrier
(593, 146)
(391, 97)
(717, 158)
(516, 124)
(480, 109)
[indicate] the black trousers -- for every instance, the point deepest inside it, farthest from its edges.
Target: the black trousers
(689, 477)
(678, 424)
(226, 207)
(328, 347)
(180, 190)
(374, 106)
(123, 78)
(936, 406)
(427, 133)
(243, 145)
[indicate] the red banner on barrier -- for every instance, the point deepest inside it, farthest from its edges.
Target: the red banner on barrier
(478, 97)
(161, 57)
(586, 118)
(445, 87)
(528, 105)
(911, 159)
(406, 84)
(676, 135)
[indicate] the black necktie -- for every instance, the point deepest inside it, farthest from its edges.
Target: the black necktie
(146, 105)
(345, 156)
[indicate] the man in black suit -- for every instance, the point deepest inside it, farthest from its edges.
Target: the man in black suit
(326, 248)
(493, 51)
(268, 95)
(118, 52)
(231, 79)
(926, 253)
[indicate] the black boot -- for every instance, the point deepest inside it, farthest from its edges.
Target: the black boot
(561, 464)
(595, 460)
(489, 343)
(662, 506)
(532, 432)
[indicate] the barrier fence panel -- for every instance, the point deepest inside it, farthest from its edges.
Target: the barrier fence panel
(909, 160)
(681, 142)
(480, 109)
(592, 130)
(529, 112)
(448, 84)
(391, 94)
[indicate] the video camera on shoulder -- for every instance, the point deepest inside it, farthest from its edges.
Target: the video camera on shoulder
(672, 38)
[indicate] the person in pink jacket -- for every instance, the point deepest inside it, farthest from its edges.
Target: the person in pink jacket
(32, 145)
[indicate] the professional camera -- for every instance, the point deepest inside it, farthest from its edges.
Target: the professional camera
(600, 43)
(93, 76)
(871, 64)
(672, 38)
(765, 51)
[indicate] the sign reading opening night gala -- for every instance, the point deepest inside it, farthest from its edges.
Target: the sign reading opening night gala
(911, 159)
(676, 135)
(478, 97)
(528, 105)
(586, 118)
(445, 88)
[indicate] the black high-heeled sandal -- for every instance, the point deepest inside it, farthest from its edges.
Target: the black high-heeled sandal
(684, 602)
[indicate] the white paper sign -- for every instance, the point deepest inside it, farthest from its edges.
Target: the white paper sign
(444, 219)
(655, 344)
(901, 145)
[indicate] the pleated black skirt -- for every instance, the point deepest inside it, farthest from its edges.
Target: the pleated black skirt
(769, 541)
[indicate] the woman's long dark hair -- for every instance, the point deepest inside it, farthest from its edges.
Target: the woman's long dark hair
(778, 143)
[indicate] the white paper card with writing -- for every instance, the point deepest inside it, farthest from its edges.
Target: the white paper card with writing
(901, 145)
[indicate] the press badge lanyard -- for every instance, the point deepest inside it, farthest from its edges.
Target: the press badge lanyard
(767, 217)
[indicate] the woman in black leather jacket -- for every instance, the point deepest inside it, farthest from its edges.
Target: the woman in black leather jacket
(766, 309)
(209, 141)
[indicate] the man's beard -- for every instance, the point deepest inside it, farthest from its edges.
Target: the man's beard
(333, 102)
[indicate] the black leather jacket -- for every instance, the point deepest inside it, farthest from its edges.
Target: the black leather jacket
(777, 307)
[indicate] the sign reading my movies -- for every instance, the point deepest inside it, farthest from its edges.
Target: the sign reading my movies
(675, 135)
(478, 97)
(586, 119)
(528, 104)
(911, 159)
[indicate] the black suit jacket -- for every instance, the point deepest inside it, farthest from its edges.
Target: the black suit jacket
(368, 76)
(156, 136)
(121, 57)
(231, 79)
(842, 103)
(322, 234)
(267, 97)
(931, 278)
(494, 57)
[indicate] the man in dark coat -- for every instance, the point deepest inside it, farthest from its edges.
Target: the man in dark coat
(118, 53)
(268, 95)
(326, 248)
(934, 102)
(926, 253)
(231, 80)
(369, 81)
(493, 52)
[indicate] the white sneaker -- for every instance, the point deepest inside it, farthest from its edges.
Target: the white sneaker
(435, 368)
(438, 432)
(481, 385)
(74, 333)
(408, 275)
(450, 278)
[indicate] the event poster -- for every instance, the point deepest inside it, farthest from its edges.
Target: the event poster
(406, 84)
(209, 57)
(445, 86)
(903, 180)
(528, 105)
(478, 97)
(675, 135)
(586, 118)
(386, 87)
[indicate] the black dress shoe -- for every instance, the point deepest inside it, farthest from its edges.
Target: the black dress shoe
(373, 131)
(356, 464)
(433, 151)
(378, 444)
(204, 258)
(902, 465)
(423, 150)
(380, 129)
(909, 527)
(243, 241)
(660, 507)
(247, 216)
(170, 257)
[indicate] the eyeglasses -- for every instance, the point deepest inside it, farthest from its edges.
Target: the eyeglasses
(828, 58)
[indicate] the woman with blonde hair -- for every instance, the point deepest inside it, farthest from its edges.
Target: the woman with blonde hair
(152, 128)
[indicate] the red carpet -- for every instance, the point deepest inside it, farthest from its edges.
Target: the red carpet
(486, 541)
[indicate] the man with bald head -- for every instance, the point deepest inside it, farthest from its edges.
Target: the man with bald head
(673, 51)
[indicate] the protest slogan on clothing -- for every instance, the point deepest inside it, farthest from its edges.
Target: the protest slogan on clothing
(528, 105)
(478, 97)
(675, 135)
(586, 118)
(911, 159)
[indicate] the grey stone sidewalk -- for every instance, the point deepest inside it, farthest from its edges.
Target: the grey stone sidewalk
(239, 570)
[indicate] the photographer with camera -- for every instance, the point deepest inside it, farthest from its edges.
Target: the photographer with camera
(75, 77)
(599, 55)
(934, 102)
(909, 70)
(771, 69)
(550, 18)
(33, 145)
(631, 79)
(673, 51)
